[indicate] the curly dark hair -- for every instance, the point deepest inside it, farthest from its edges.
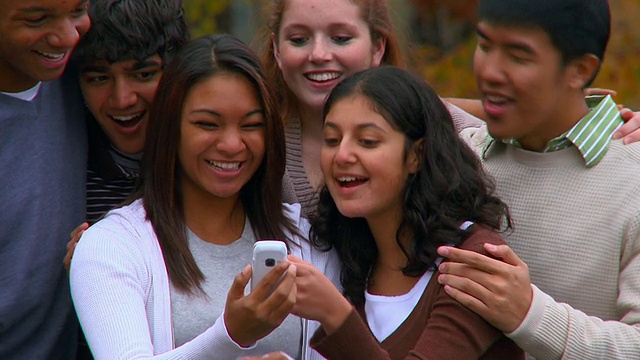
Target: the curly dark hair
(449, 188)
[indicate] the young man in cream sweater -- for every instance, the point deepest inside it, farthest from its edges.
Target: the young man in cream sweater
(568, 285)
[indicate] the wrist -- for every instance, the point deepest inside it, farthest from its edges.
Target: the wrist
(336, 316)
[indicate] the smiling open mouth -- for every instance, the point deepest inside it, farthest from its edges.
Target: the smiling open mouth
(128, 121)
(323, 77)
(51, 56)
(350, 181)
(225, 166)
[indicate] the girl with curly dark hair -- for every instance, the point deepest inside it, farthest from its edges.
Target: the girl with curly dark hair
(399, 183)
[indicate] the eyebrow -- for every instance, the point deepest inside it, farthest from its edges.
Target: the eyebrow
(331, 27)
(40, 9)
(217, 114)
(514, 45)
(359, 127)
(103, 69)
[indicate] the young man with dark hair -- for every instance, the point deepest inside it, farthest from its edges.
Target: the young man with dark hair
(42, 162)
(573, 193)
(119, 63)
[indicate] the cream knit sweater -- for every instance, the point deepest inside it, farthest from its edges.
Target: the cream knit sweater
(578, 230)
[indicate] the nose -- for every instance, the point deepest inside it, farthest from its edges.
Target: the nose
(344, 154)
(489, 67)
(320, 52)
(122, 95)
(68, 31)
(230, 141)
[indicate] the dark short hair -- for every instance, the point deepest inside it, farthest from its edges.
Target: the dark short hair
(132, 29)
(575, 27)
(450, 186)
(261, 196)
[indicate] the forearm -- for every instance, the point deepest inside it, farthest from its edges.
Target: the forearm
(470, 106)
(112, 303)
(554, 330)
(352, 340)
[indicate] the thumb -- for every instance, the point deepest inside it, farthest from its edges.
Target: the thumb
(504, 253)
(239, 283)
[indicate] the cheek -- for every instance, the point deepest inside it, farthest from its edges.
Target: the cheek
(256, 144)
(23, 39)
(358, 59)
(478, 62)
(326, 159)
(94, 99)
(83, 25)
(290, 57)
(148, 92)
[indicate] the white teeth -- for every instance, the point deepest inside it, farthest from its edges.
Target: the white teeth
(52, 56)
(323, 76)
(347, 178)
(225, 165)
(495, 98)
(126, 117)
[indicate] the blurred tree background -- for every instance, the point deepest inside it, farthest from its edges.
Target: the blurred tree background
(440, 39)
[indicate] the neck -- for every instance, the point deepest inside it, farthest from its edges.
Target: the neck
(311, 122)
(390, 256)
(219, 222)
(568, 116)
(386, 277)
(13, 82)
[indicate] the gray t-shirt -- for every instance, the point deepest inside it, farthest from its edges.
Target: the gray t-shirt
(193, 314)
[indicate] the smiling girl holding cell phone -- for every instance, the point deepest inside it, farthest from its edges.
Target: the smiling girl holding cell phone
(151, 278)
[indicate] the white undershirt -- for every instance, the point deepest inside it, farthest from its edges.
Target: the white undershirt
(386, 313)
(26, 95)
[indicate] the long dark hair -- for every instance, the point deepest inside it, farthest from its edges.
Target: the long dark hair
(449, 188)
(261, 197)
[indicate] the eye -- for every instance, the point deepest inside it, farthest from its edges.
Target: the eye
(81, 10)
(146, 75)
(95, 79)
(369, 143)
(483, 46)
(207, 125)
(331, 141)
(36, 21)
(519, 58)
(342, 39)
(298, 40)
(253, 125)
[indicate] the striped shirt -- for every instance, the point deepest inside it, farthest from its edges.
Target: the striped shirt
(591, 135)
(111, 175)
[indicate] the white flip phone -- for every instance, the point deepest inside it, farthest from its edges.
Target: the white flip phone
(266, 255)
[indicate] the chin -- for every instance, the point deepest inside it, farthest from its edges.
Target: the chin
(350, 212)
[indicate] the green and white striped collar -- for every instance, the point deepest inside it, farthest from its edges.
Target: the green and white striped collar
(591, 135)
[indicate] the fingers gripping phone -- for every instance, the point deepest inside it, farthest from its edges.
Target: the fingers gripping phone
(266, 255)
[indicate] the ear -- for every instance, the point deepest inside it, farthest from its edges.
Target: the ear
(414, 156)
(379, 48)
(581, 70)
(276, 50)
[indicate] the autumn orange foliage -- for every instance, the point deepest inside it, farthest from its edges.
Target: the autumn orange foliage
(451, 74)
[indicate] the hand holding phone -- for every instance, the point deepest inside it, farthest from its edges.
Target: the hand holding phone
(266, 255)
